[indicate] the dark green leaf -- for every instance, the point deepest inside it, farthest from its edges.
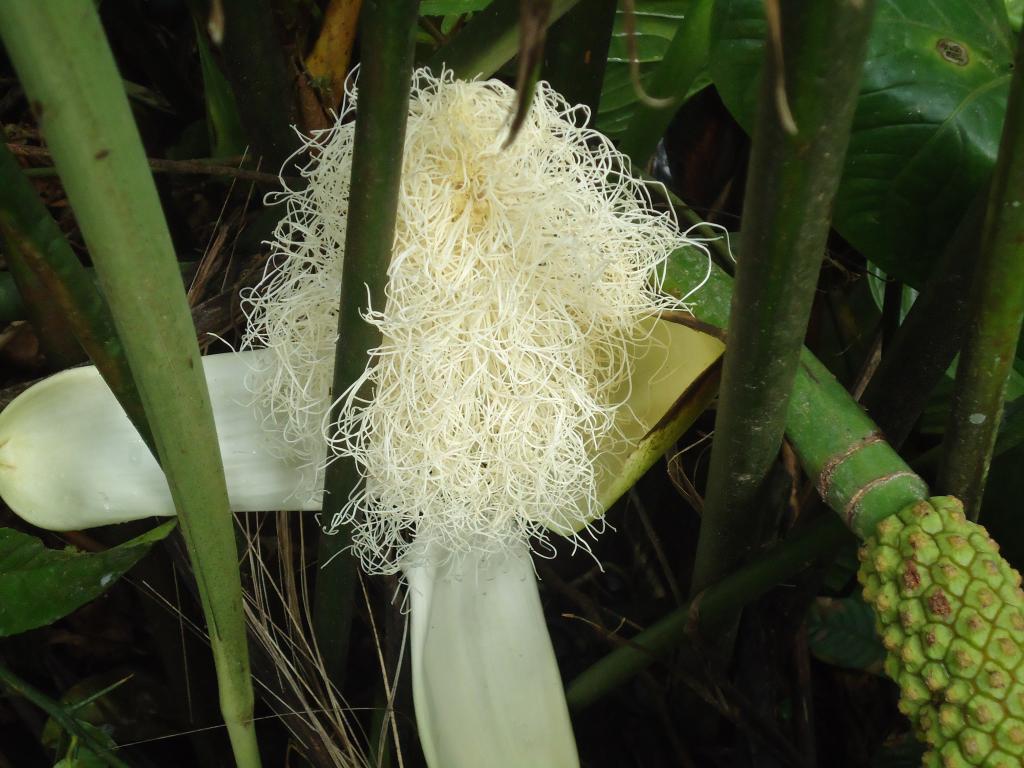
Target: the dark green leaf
(842, 632)
(877, 282)
(656, 24)
(1015, 10)
(683, 65)
(11, 305)
(445, 7)
(223, 123)
(120, 705)
(80, 758)
(841, 571)
(927, 126)
(488, 41)
(576, 52)
(40, 585)
(936, 411)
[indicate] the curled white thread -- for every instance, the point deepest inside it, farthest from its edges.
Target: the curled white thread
(518, 284)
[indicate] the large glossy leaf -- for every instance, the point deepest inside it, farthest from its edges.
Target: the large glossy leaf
(1015, 10)
(656, 23)
(40, 585)
(927, 125)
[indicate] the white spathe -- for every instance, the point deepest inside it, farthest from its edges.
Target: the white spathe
(484, 676)
(71, 459)
(486, 684)
(519, 290)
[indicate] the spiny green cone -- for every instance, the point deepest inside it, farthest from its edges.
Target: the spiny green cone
(950, 612)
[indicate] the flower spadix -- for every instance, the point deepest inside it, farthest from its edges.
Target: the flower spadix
(521, 361)
(520, 290)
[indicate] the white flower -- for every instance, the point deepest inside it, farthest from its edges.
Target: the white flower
(521, 362)
(71, 459)
(485, 680)
(520, 289)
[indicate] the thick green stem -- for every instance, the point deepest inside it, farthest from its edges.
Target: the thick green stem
(686, 56)
(996, 313)
(860, 476)
(794, 173)
(15, 685)
(387, 28)
(65, 65)
(488, 41)
(857, 473)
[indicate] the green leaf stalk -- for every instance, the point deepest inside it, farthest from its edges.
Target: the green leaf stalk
(65, 65)
(808, 92)
(996, 312)
(385, 77)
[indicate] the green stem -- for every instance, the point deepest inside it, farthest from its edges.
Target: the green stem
(686, 56)
(58, 714)
(65, 65)
(387, 28)
(66, 286)
(1011, 434)
(860, 476)
(857, 473)
(923, 348)
(996, 313)
(488, 41)
(792, 181)
(576, 52)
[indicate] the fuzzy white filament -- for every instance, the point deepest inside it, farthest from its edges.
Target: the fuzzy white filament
(518, 287)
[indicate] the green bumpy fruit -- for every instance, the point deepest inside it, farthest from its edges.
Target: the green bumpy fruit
(950, 612)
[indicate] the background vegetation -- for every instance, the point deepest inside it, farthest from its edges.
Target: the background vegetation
(88, 662)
